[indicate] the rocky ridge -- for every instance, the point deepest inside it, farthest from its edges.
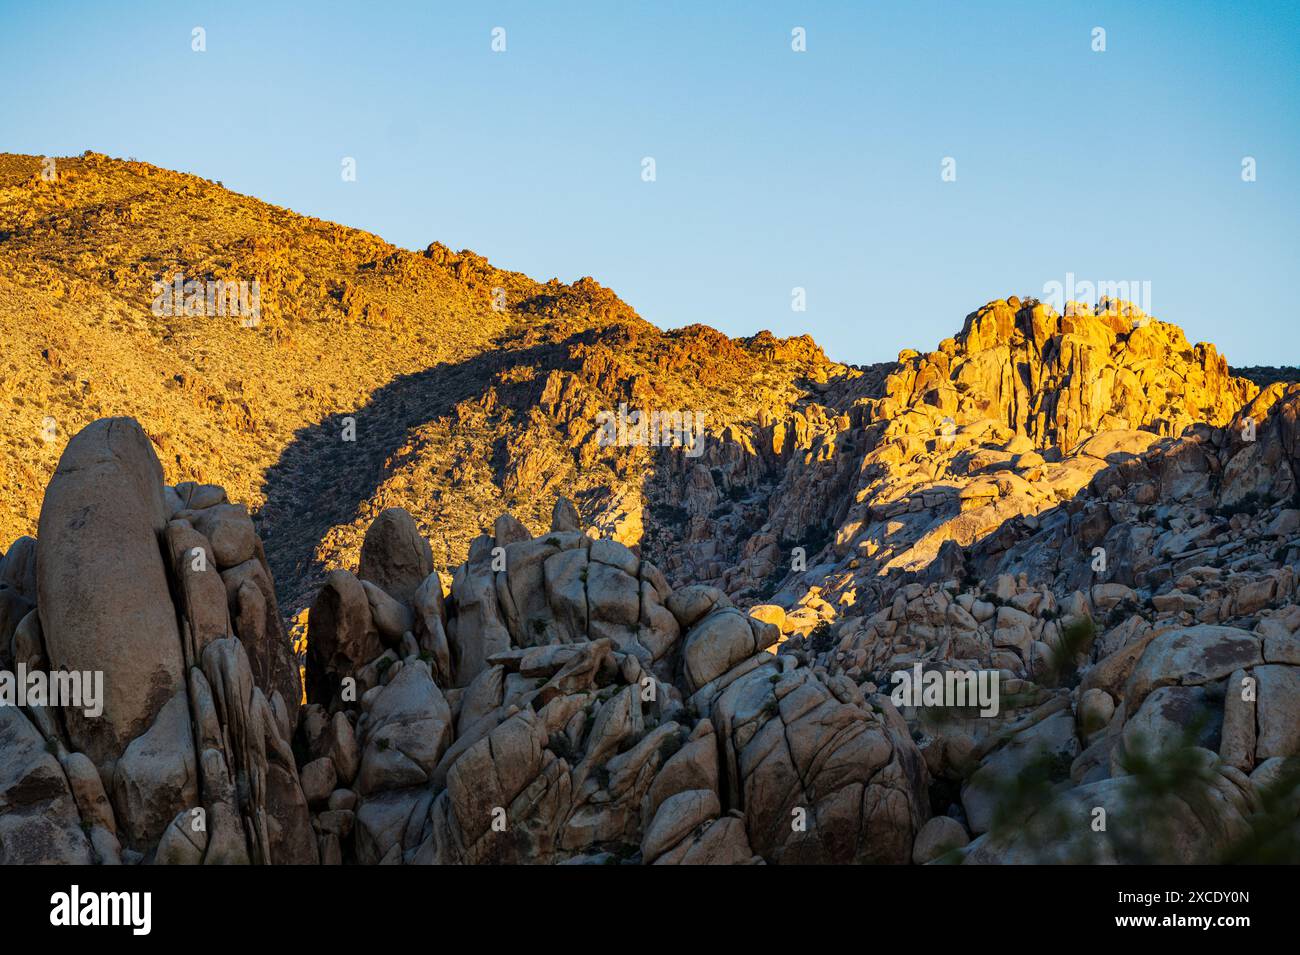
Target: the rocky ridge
(469, 389)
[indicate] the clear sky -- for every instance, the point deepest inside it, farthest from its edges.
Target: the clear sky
(775, 169)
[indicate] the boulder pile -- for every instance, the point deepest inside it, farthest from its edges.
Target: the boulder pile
(559, 702)
(164, 592)
(1148, 621)
(563, 704)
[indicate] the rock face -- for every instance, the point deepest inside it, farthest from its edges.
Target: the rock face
(190, 758)
(39, 819)
(102, 585)
(341, 633)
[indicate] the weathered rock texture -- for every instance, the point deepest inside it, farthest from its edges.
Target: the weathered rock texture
(578, 709)
(166, 593)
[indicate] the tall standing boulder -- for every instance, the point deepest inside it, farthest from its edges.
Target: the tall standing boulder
(102, 585)
(341, 635)
(394, 555)
(477, 631)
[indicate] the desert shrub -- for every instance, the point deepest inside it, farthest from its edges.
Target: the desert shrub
(822, 638)
(1076, 640)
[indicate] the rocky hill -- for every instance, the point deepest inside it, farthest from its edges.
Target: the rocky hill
(525, 632)
(470, 390)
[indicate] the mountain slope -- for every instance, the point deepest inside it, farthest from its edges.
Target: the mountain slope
(457, 375)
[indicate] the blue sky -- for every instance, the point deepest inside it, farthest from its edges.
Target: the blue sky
(775, 169)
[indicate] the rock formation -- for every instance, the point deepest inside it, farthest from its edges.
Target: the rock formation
(494, 635)
(165, 592)
(570, 706)
(562, 702)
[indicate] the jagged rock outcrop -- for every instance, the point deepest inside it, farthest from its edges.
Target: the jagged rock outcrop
(1008, 419)
(1145, 625)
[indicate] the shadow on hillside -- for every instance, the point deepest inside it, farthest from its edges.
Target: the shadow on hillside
(321, 480)
(1056, 543)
